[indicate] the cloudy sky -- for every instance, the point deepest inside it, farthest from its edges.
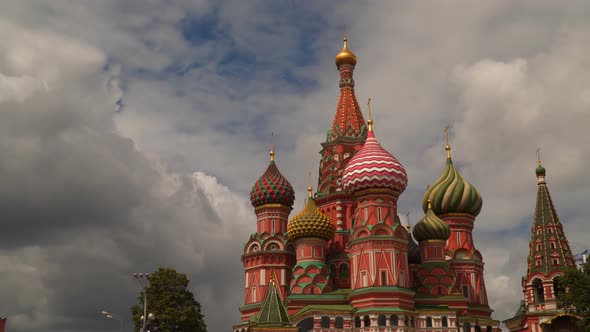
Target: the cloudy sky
(131, 132)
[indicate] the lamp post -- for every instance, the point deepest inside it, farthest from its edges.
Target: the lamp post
(143, 280)
(113, 316)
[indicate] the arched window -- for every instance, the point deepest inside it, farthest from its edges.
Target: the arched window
(477, 328)
(445, 321)
(393, 320)
(306, 325)
(339, 322)
(412, 322)
(325, 322)
(381, 320)
(552, 245)
(357, 321)
(489, 327)
(428, 321)
(466, 327)
(366, 321)
(406, 321)
(555, 261)
(538, 291)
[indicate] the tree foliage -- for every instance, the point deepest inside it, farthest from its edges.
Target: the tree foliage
(172, 304)
(576, 298)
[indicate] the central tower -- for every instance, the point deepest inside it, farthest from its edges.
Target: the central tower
(344, 139)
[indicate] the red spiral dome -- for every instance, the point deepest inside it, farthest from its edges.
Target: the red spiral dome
(374, 167)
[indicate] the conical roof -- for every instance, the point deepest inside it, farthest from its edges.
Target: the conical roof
(273, 312)
(549, 248)
(272, 187)
(431, 227)
(310, 222)
(451, 193)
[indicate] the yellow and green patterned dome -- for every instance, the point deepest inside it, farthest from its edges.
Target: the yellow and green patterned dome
(310, 222)
(431, 227)
(451, 193)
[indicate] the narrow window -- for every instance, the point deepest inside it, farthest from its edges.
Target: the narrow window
(445, 321)
(458, 238)
(325, 322)
(357, 321)
(364, 276)
(383, 278)
(538, 291)
(466, 291)
(552, 245)
(339, 322)
(253, 293)
(379, 214)
(273, 226)
(381, 320)
(393, 320)
(555, 261)
(367, 321)
(428, 321)
(366, 214)
(538, 247)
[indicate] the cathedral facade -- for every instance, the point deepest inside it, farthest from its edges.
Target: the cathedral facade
(346, 262)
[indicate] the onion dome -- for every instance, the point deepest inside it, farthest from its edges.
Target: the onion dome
(374, 167)
(310, 222)
(540, 171)
(345, 56)
(451, 193)
(272, 187)
(431, 227)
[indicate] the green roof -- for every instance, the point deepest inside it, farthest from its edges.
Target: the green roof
(273, 312)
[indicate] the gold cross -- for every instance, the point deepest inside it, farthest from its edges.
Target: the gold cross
(369, 107)
(539, 156)
(447, 134)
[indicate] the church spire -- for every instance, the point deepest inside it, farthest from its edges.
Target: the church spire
(549, 249)
(273, 312)
(348, 121)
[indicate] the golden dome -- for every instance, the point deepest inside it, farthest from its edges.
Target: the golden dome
(310, 222)
(345, 56)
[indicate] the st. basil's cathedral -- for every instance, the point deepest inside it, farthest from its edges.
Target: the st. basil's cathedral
(346, 262)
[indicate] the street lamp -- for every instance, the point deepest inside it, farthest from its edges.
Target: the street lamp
(113, 316)
(143, 280)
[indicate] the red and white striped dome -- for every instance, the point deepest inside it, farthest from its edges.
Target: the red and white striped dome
(374, 167)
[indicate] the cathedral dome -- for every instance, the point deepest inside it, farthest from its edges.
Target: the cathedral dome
(451, 193)
(374, 167)
(272, 187)
(310, 223)
(345, 56)
(431, 227)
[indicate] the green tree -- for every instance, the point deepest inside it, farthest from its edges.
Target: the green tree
(576, 298)
(172, 304)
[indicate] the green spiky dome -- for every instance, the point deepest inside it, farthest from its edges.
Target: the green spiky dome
(540, 171)
(431, 227)
(310, 222)
(451, 193)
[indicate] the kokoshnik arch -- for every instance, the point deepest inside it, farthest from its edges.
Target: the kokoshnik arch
(346, 262)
